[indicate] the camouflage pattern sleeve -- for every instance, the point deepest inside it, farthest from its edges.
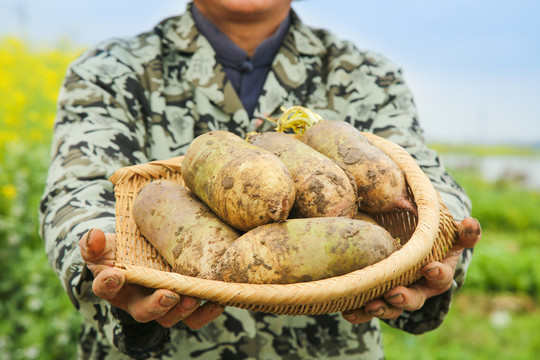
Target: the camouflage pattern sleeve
(96, 132)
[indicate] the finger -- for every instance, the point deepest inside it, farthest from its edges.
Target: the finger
(382, 310)
(184, 308)
(92, 245)
(108, 284)
(357, 316)
(376, 308)
(409, 298)
(204, 315)
(469, 233)
(146, 305)
(98, 248)
(437, 279)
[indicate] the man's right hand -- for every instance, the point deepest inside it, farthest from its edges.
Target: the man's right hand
(143, 304)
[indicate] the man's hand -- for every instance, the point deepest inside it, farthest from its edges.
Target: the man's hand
(438, 277)
(144, 305)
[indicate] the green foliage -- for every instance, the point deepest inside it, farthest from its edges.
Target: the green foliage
(506, 258)
(38, 320)
(480, 325)
(501, 205)
(477, 327)
(486, 150)
(504, 263)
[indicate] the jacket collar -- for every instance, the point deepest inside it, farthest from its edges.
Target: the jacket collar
(288, 67)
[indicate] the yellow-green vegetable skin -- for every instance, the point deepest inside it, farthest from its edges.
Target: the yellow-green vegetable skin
(243, 184)
(301, 250)
(182, 229)
(322, 187)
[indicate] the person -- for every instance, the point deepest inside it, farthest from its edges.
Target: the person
(223, 64)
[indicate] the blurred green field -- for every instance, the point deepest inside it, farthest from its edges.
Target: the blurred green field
(494, 317)
(496, 314)
(38, 321)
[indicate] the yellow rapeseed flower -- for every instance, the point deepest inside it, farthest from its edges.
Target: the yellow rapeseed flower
(9, 192)
(30, 79)
(19, 98)
(35, 135)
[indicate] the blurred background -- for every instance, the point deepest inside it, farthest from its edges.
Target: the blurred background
(474, 68)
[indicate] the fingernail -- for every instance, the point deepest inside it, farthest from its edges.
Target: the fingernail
(89, 235)
(112, 283)
(395, 299)
(465, 231)
(479, 227)
(189, 303)
(349, 315)
(377, 312)
(168, 300)
(471, 229)
(433, 272)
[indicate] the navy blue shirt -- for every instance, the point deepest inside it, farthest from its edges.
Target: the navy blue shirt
(246, 74)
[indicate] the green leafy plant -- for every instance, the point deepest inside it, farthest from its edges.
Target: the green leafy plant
(38, 320)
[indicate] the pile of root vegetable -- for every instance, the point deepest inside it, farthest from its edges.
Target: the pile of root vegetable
(275, 208)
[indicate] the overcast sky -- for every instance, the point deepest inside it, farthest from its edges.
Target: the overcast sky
(474, 66)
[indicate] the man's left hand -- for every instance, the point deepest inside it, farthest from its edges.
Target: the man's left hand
(438, 278)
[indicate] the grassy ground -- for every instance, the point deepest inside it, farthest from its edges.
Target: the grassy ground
(496, 314)
(479, 326)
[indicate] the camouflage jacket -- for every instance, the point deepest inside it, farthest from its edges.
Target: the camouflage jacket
(130, 101)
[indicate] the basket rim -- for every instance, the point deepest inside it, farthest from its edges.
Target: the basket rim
(413, 252)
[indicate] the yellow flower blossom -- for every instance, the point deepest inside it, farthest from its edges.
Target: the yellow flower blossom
(30, 79)
(9, 192)
(35, 135)
(19, 98)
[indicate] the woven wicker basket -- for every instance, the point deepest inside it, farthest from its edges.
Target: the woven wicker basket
(427, 237)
